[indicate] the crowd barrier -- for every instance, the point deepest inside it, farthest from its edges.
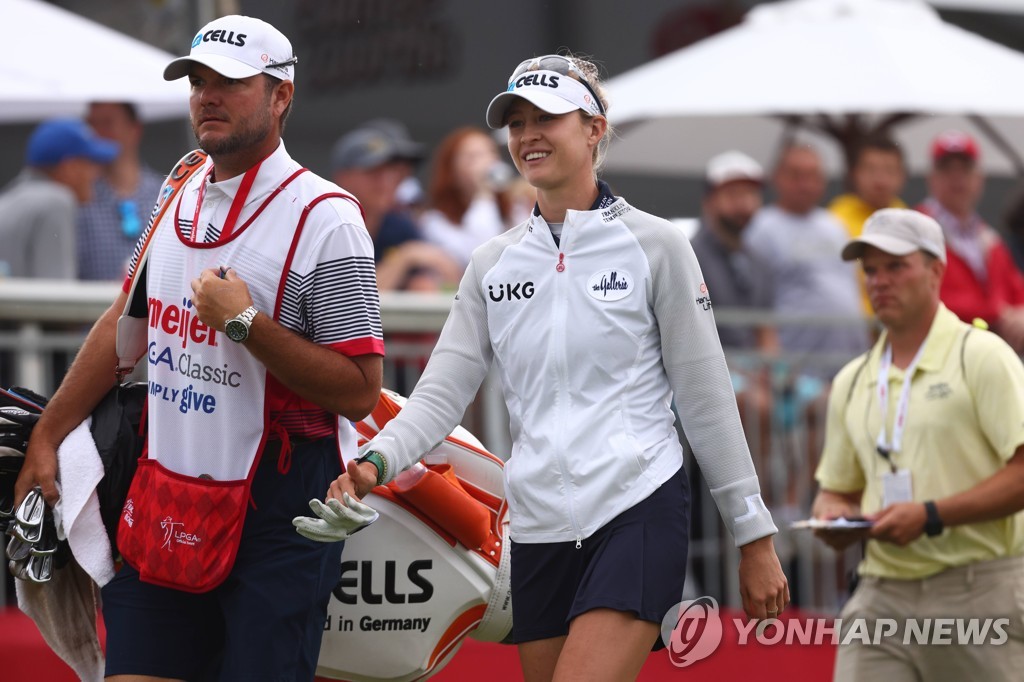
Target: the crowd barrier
(43, 323)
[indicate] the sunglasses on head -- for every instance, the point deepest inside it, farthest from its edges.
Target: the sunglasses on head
(558, 64)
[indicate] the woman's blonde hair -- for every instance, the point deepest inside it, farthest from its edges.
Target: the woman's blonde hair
(592, 75)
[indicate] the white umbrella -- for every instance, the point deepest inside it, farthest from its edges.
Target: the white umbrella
(837, 69)
(58, 61)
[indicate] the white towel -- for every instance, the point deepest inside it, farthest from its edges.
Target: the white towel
(64, 609)
(80, 469)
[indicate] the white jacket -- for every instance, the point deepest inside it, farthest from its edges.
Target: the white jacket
(591, 340)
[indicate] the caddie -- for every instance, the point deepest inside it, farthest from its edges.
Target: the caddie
(264, 340)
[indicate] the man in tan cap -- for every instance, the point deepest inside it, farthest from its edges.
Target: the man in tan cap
(925, 439)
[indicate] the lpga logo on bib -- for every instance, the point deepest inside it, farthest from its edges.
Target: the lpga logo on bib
(172, 534)
(610, 285)
(692, 631)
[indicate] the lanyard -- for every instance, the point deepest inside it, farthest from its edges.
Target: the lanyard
(236, 204)
(884, 446)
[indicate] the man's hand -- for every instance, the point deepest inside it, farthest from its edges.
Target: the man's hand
(763, 585)
(39, 469)
(219, 295)
(829, 505)
(899, 523)
(336, 521)
(358, 480)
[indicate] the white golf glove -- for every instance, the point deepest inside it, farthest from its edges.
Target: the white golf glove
(336, 521)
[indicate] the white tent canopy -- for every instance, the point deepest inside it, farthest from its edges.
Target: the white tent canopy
(819, 63)
(58, 61)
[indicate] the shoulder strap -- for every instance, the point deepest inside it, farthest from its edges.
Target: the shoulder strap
(963, 367)
(860, 370)
(131, 327)
(179, 175)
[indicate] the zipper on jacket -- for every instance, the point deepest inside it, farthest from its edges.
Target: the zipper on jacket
(558, 322)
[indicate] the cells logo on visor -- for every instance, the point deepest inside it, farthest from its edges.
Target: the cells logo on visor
(535, 79)
(198, 39)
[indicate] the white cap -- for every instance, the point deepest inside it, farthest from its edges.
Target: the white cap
(731, 166)
(238, 47)
(550, 91)
(900, 232)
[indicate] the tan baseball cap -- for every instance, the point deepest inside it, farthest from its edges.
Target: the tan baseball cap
(900, 232)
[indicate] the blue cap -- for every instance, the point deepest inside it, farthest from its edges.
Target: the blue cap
(64, 138)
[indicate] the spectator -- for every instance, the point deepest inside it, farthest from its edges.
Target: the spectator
(409, 196)
(38, 207)
(801, 242)
(876, 179)
(981, 281)
(467, 197)
(371, 161)
(110, 224)
(737, 277)
(1013, 225)
(925, 438)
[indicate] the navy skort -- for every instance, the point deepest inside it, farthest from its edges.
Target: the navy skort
(635, 563)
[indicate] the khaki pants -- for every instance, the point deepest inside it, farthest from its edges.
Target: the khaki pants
(985, 590)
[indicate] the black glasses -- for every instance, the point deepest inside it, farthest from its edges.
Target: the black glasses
(131, 224)
(282, 65)
(558, 64)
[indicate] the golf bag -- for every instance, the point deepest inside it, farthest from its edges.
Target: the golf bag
(433, 569)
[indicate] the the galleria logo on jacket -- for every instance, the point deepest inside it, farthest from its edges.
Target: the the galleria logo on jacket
(610, 285)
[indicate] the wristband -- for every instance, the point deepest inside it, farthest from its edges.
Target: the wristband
(933, 524)
(377, 460)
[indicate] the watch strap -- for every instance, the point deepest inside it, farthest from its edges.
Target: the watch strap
(933, 524)
(378, 461)
(247, 315)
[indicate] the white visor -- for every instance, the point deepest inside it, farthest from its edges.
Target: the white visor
(550, 91)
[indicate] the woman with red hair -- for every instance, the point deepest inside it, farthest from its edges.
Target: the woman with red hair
(470, 197)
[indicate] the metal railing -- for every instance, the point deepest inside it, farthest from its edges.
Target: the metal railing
(43, 323)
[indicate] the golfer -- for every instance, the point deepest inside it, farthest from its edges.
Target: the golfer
(595, 316)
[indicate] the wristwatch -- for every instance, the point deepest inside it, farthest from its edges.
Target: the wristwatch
(237, 328)
(377, 460)
(933, 524)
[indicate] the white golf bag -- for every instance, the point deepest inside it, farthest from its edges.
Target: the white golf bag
(431, 570)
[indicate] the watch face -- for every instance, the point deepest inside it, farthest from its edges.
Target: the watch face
(236, 330)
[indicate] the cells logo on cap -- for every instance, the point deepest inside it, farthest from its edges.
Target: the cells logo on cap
(691, 631)
(198, 39)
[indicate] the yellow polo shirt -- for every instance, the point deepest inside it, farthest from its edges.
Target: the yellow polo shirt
(965, 420)
(853, 212)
